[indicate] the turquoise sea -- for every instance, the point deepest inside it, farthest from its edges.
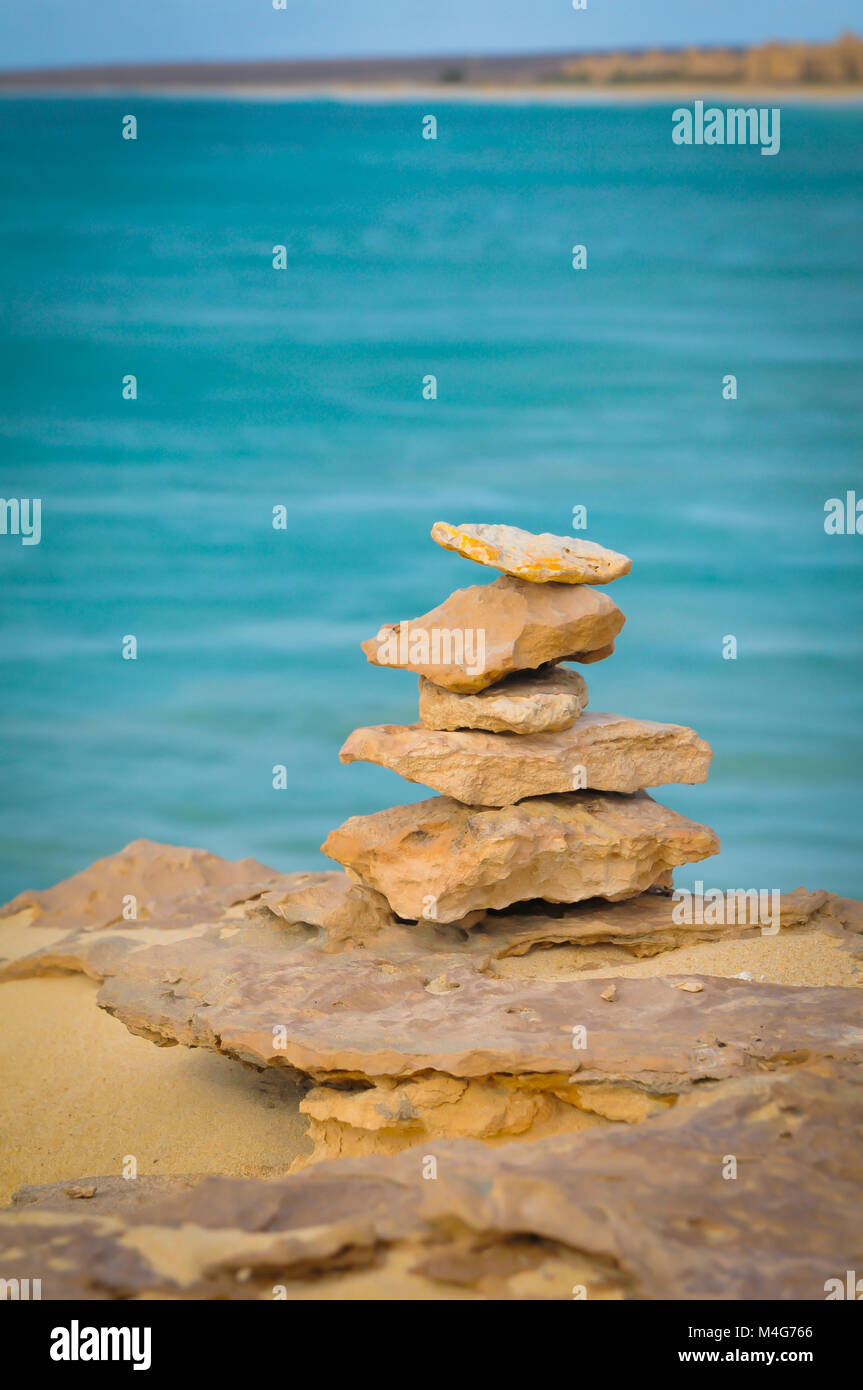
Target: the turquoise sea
(302, 388)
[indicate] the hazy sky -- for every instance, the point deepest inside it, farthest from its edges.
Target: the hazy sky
(50, 33)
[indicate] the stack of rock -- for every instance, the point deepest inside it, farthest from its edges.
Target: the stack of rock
(407, 1037)
(539, 798)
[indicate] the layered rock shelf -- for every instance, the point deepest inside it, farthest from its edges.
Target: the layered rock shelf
(405, 1032)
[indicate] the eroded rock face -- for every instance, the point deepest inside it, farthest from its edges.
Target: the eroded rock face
(349, 913)
(605, 752)
(479, 635)
(642, 926)
(620, 1210)
(443, 859)
(393, 1115)
(538, 559)
(538, 702)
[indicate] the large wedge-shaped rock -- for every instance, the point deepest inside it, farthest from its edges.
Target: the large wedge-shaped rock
(146, 882)
(605, 752)
(534, 702)
(443, 859)
(538, 559)
(480, 635)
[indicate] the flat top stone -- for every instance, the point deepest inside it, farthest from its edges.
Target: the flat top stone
(481, 634)
(606, 752)
(538, 559)
(529, 702)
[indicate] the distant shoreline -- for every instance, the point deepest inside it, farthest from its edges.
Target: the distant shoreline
(545, 95)
(796, 71)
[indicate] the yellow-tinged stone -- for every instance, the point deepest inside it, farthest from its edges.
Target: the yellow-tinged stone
(538, 559)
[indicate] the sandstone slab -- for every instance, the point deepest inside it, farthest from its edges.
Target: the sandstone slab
(154, 882)
(479, 635)
(602, 752)
(644, 926)
(537, 702)
(561, 848)
(538, 559)
(271, 998)
(623, 1211)
(333, 913)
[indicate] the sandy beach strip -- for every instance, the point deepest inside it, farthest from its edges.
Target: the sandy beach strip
(81, 1093)
(646, 94)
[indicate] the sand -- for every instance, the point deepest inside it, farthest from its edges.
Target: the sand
(80, 1093)
(550, 94)
(815, 956)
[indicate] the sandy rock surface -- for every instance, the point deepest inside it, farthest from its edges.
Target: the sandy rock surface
(397, 1032)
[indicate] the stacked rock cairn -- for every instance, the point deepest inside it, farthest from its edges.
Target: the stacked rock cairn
(539, 799)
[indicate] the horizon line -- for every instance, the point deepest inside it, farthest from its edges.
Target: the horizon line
(362, 60)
